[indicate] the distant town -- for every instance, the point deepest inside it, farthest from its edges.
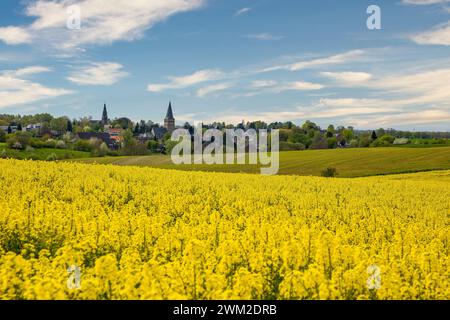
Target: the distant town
(122, 136)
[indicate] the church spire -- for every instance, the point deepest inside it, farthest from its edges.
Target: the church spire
(105, 119)
(169, 114)
(169, 121)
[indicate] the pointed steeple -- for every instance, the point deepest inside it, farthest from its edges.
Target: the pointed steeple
(105, 119)
(169, 115)
(169, 121)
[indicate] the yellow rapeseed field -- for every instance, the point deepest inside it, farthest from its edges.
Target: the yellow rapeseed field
(139, 233)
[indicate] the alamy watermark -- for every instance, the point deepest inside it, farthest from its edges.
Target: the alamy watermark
(374, 20)
(374, 279)
(74, 17)
(74, 279)
(228, 147)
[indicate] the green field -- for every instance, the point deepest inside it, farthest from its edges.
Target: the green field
(348, 162)
(43, 154)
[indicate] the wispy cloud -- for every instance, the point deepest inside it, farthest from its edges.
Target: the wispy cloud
(348, 78)
(350, 56)
(103, 22)
(298, 86)
(98, 74)
(257, 84)
(15, 35)
(15, 90)
(439, 35)
(187, 81)
(242, 11)
(202, 92)
(273, 87)
(264, 37)
(27, 71)
(270, 86)
(419, 97)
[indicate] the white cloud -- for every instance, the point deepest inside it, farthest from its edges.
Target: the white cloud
(427, 116)
(14, 35)
(262, 84)
(419, 88)
(202, 92)
(264, 37)
(440, 35)
(298, 86)
(208, 75)
(273, 87)
(412, 98)
(100, 74)
(423, 88)
(348, 78)
(337, 59)
(102, 22)
(354, 103)
(314, 112)
(242, 11)
(31, 70)
(14, 90)
(187, 81)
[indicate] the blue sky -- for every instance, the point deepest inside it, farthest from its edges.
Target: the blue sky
(271, 60)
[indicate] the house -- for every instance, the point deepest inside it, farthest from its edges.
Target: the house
(145, 137)
(103, 136)
(116, 135)
(5, 129)
(32, 127)
(159, 132)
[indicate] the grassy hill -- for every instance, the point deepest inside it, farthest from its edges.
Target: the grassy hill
(348, 162)
(42, 154)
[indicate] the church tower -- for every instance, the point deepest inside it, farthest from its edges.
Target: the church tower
(169, 121)
(105, 119)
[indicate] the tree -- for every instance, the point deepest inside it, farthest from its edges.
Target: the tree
(127, 139)
(129, 144)
(329, 172)
(364, 142)
(19, 140)
(330, 131)
(388, 138)
(374, 136)
(137, 129)
(310, 126)
(169, 145)
(380, 132)
(153, 145)
(59, 124)
(284, 135)
(319, 142)
(103, 150)
(332, 143)
(288, 125)
(143, 127)
(123, 123)
(69, 126)
(2, 136)
(348, 134)
(19, 127)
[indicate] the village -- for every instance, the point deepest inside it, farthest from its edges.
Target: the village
(110, 132)
(22, 136)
